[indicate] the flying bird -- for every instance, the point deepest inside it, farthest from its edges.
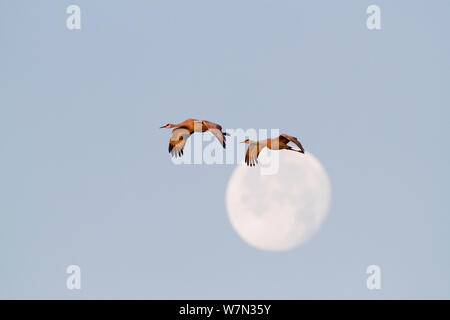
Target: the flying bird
(278, 143)
(183, 130)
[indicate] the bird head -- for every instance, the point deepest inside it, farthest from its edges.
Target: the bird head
(246, 141)
(167, 126)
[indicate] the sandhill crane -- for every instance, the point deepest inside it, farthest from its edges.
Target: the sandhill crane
(278, 143)
(183, 130)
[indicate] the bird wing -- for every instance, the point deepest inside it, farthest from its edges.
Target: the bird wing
(216, 129)
(251, 156)
(286, 138)
(177, 141)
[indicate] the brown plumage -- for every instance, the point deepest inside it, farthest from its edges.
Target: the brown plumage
(183, 130)
(278, 143)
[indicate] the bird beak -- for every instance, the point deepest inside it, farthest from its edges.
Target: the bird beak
(242, 142)
(162, 127)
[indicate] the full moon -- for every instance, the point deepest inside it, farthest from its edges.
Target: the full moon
(283, 210)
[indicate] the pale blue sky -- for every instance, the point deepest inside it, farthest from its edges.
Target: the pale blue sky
(85, 177)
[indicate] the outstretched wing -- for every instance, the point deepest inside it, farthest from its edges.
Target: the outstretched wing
(285, 138)
(178, 141)
(251, 156)
(216, 129)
